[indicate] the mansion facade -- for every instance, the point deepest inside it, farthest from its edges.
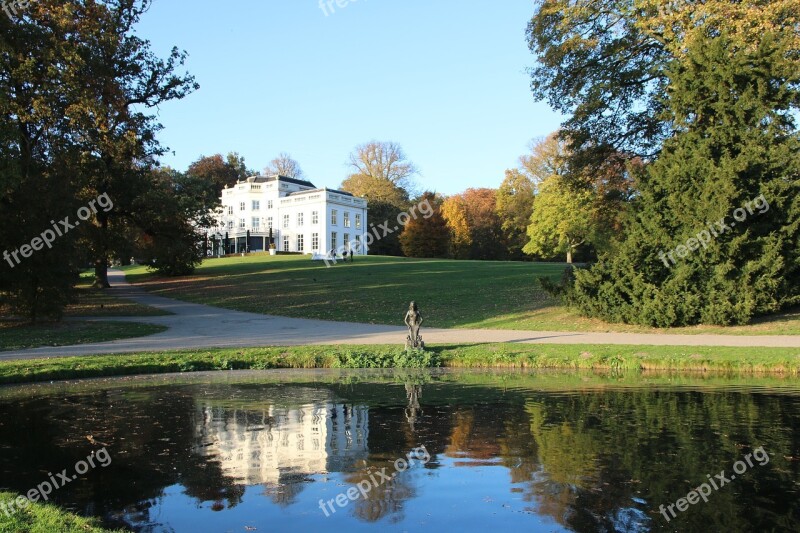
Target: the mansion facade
(291, 214)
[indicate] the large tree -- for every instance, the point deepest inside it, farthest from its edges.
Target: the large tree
(514, 207)
(219, 172)
(716, 233)
(603, 63)
(381, 172)
(475, 225)
(561, 220)
(284, 165)
(427, 237)
(576, 206)
(77, 87)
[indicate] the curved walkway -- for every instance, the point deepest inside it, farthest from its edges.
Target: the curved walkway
(203, 326)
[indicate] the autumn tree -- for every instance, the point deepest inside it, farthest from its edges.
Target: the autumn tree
(455, 215)
(284, 165)
(603, 63)
(427, 237)
(514, 208)
(219, 172)
(381, 172)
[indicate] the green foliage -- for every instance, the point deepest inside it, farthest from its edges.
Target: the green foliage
(74, 126)
(381, 212)
(515, 207)
(395, 359)
(735, 140)
(782, 361)
(561, 219)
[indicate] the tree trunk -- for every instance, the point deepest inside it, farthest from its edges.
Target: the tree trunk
(569, 256)
(101, 274)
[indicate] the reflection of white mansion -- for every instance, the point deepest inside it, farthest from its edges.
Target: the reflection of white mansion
(302, 218)
(255, 448)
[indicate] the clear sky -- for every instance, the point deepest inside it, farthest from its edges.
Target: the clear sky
(444, 78)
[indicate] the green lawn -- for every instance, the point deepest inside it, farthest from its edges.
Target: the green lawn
(19, 336)
(44, 518)
(451, 294)
(785, 361)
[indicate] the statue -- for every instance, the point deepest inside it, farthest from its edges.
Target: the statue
(414, 321)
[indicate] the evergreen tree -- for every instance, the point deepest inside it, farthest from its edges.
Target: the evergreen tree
(715, 234)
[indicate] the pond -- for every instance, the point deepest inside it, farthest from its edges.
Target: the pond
(411, 451)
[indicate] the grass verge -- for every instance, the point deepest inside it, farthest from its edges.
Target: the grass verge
(637, 358)
(17, 336)
(44, 518)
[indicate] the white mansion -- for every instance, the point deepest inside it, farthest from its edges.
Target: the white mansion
(290, 213)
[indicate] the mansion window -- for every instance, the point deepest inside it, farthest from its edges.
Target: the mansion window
(300, 243)
(299, 219)
(334, 215)
(285, 221)
(269, 204)
(241, 223)
(230, 209)
(256, 223)
(333, 240)
(358, 221)
(230, 224)
(285, 243)
(256, 205)
(242, 206)
(346, 241)
(269, 222)
(346, 220)
(315, 241)
(315, 217)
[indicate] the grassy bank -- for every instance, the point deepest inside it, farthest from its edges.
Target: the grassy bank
(19, 336)
(376, 290)
(635, 358)
(41, 518)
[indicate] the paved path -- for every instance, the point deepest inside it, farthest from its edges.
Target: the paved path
(203, 326)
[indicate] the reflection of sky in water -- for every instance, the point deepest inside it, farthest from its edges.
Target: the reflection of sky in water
(230, 456)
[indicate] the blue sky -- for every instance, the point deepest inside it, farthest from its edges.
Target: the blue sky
(445, 79)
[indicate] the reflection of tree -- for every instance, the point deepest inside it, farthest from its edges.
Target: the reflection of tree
(385, 499)
(601, 451)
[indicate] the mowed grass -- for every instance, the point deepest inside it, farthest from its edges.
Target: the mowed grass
(44, 518)
(747, 361)
(376, 290)
(19, 336)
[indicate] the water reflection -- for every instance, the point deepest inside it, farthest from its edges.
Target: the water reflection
(269, 446)
(520, 451)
